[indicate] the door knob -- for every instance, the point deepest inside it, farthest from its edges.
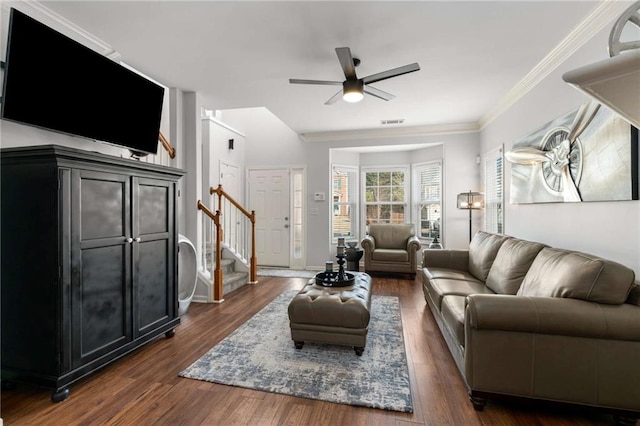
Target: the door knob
(137, 239)
(286, 218)
(129, 240)
(286, 225)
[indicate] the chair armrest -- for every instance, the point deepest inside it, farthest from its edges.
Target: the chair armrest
(368, 243)
(553, 316)
(413, 244)
(449, 259)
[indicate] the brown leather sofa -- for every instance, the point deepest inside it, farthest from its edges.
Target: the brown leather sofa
(391, 248)
(522, 319)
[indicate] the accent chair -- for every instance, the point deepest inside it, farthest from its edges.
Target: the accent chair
(391, 248)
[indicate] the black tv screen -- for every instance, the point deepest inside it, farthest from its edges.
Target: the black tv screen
(54, 82)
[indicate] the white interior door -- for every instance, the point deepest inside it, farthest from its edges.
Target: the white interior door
(230, 181)
(269, 198)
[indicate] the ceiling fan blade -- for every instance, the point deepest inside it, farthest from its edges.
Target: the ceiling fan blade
(378, 93)
(391, 73)
(334, 98)
(298, 81)
(346, 61)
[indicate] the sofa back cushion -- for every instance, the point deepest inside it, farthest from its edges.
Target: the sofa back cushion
(511, 265)
(564, 273)
(482, 252)
(634, 295)
(391, 236)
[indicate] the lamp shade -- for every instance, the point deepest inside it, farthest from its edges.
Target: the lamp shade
(470, 200)
(353, 90)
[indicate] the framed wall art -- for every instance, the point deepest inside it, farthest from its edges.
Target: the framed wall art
(589, 154)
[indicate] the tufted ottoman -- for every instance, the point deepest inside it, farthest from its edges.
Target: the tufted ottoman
(336, 315)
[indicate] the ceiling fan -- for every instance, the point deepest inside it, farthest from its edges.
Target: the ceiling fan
(354, 88)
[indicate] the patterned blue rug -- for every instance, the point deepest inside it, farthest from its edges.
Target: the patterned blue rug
(260, 355)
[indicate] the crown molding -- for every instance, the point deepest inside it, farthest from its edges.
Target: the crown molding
(39, 11)
(603, 14)
(396, 132)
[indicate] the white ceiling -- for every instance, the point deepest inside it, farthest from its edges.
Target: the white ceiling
(242, 54)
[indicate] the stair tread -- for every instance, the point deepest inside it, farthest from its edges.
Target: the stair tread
(233, 276)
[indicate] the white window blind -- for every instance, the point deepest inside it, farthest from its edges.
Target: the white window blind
(428, 199)
(344, 197)
(493, 189)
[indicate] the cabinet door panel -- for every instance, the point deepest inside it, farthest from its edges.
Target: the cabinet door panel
(102, 208)
(152, 278)
(154, 254)
(101, 264)
(104, 321)
(153, 208)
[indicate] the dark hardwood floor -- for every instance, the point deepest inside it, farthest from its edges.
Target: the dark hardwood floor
(143, 388)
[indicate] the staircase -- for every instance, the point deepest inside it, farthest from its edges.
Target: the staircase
(234, 274)
(231, 278)
(219, 244)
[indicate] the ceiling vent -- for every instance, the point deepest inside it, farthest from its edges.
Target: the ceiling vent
(396, 121)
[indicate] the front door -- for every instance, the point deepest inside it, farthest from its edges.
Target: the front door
(269, 198)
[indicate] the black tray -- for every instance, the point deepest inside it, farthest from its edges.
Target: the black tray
(330, 279)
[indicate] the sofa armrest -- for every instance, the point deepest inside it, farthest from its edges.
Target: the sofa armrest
(368, 243)
(413, 244)
(449, 259)
(554, 316)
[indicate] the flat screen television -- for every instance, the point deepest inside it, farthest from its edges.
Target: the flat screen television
(56, 83)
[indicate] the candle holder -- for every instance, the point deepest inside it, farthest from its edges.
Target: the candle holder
(330, 278)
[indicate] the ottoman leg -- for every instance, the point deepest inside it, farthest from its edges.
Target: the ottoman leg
(298, 344)
(359, 350)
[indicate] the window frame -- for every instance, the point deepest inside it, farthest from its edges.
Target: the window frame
(494, 190)
(352, 204)
(417, 169)
(406, 203)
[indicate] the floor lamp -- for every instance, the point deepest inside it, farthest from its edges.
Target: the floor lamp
(470, 201)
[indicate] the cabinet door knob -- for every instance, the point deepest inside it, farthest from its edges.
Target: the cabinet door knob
(129, 240)
(137, 239)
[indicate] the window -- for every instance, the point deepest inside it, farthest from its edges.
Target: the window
(344, 197)
(494, 195)
(385, 195)
(428, 199)
(297, 221)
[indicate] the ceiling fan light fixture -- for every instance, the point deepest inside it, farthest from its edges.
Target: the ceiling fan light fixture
(353, 90)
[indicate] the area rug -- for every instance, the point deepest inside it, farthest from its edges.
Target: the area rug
(260, 355)
(287, 273)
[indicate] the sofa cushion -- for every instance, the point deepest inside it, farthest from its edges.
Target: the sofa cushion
(440, 287)
(390, 255)
(482, 252)
(391, 236)
(511, 265)
(564, 273)
(634, 295)
(453, 316)
(450, 274)
(446, 259)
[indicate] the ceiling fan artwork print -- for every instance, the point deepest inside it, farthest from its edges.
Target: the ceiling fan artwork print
(354, 88)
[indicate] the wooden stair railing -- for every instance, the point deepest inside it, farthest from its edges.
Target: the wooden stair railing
(167, 146)
(253, 263)
(217, 273)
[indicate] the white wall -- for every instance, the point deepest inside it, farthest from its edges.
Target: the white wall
(269, 141)
(215, 138)
(607, 229)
